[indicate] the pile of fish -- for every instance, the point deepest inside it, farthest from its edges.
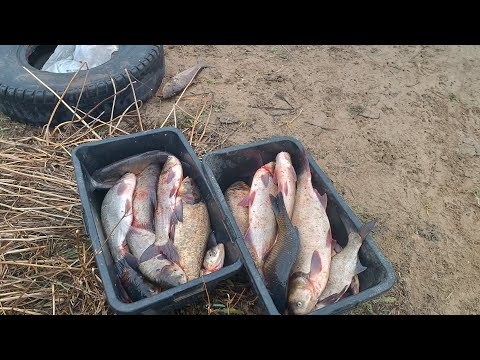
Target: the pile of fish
(287, 231)
(156, 223)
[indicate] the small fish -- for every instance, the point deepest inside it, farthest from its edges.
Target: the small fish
(107, 176)
(181, 80)
(345, 265)
(191, 234)
(234, 195)
(116, 215)
(262, 227)
(159, 262)
(214, 259)
(312, 267)
(279, 262)
(286, 179)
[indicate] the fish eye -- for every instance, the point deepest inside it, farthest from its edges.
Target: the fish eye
(299, 304)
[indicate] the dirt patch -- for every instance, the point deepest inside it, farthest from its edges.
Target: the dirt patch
(397, 130)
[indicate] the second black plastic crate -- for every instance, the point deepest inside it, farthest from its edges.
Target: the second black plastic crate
(224, 167)
(89, 157)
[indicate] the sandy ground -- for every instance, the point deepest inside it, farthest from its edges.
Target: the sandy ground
(397, 130)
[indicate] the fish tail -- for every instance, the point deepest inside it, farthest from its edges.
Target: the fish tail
(367, 228)
(202, 63)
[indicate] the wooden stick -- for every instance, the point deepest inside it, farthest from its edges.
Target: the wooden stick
(195, 122)
(206, 123)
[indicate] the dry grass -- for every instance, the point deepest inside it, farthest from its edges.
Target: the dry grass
(46, 262)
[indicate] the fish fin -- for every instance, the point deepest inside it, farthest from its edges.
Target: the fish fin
(212, 240)
(367, 228)
(329, 237)
(168, 250)
(331, 299)
(132, 261)
(316, 264)
(293, 173)
(178, 211)
(149, 253)
(173, 192)
(275, 178)
(359, 267)
(321, 198)
(265, 179)
(247, 200)
(248, 237)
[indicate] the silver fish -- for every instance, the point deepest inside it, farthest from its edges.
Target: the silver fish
(345, 265)
(116, 214)
(262, 227)
(191, 234)
(312, 268)
(107, 176)
(181, 80)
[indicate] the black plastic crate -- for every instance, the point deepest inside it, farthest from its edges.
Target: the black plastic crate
(224, 167)
(89, 157)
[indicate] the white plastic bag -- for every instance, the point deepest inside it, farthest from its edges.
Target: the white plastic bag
(69, 58)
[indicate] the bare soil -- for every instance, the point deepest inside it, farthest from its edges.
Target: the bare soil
(397, 130)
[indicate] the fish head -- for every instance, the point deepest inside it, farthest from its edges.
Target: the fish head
(189, 191)
(172, 163)
(300, 298)
(172, 275)
(214, 258)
